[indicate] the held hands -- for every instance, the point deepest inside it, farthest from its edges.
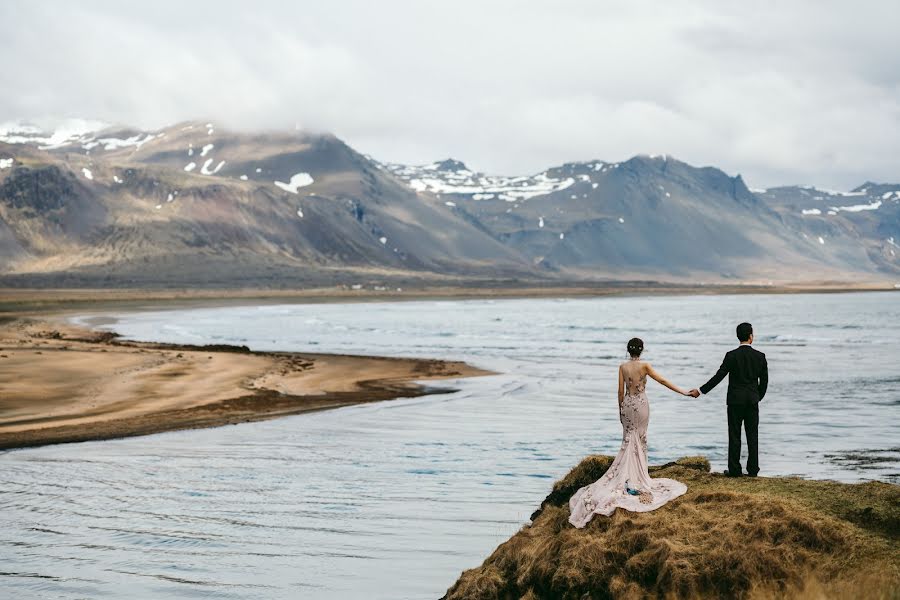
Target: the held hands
(695, 393)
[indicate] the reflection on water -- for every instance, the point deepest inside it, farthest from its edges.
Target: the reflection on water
(392, 500)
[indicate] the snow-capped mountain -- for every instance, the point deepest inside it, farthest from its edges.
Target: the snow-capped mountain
(452, 177)
(49, 136)
(867, 216)
(194, 203)
(662, 217)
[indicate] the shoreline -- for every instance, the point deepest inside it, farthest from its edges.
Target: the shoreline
(54, 389)
(64, 383)
(18, 301)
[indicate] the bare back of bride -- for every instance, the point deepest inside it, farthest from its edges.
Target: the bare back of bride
(627, 483)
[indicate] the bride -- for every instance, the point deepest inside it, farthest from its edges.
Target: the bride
(627, 484)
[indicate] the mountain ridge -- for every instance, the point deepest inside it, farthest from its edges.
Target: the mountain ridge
(197, 203)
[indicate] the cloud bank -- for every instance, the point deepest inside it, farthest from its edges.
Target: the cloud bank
(800, 92)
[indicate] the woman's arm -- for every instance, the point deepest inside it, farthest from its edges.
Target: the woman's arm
(621, 388)
(652, 373)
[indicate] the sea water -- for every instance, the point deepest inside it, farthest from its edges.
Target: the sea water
(392, 500)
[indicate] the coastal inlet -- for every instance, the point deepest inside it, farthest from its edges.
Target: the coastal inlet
(395, 499)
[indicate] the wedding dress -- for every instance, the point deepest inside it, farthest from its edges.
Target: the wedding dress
(626, 484)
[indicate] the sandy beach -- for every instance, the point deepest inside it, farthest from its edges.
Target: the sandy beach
(62, 383)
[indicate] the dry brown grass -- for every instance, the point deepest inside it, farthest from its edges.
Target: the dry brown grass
(747, 538)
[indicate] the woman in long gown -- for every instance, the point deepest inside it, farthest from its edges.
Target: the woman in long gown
(627, 483)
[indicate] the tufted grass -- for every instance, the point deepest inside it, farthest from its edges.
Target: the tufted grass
(754, 538)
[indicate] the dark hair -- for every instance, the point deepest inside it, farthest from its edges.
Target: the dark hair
(635, 346)
(744, 331)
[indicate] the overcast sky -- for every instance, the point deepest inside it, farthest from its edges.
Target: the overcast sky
(781, 92)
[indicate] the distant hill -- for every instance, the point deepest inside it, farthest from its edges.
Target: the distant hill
(658, 217)
(194, 204)
(853, 227)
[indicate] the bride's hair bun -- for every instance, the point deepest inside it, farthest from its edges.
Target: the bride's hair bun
(635, 346)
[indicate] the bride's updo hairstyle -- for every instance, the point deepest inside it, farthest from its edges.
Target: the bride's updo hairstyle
(635, 347)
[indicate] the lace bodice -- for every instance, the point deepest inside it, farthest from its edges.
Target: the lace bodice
(634, 384)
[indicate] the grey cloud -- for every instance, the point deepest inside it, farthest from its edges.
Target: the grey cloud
(802, 92)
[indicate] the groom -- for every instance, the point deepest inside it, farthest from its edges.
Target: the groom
(748, 377)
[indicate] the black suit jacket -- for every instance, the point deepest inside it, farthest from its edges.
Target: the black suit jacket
(748, 376)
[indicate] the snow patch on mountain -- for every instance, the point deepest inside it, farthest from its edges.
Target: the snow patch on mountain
(111, 143)
(207, 171)
(6, 163)
(57, 135)
(81, 132)
(858, 207)
(297, 181)
(453, 177)
(812, 188)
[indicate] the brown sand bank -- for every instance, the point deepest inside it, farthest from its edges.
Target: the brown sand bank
(60, 383)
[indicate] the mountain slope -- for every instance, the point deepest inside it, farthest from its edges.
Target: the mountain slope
(197, 204)
(648, 216)
(860, 225)
(192, 204)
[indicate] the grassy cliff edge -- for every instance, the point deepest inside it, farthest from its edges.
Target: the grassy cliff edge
(766, 537)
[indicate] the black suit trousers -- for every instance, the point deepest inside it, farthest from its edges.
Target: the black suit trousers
(748, 416)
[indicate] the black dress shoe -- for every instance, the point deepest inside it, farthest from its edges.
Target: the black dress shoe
(730, 474)
(751, 474)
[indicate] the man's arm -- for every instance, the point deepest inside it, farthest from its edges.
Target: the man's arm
(717, 378)
(763, 378)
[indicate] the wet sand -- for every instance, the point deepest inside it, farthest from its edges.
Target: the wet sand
(61, 383)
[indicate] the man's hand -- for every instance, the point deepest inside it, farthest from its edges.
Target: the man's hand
(694, 393)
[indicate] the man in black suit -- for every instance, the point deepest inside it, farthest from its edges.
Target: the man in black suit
(748, 377)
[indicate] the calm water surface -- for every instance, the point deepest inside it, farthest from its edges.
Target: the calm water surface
(393, 500)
